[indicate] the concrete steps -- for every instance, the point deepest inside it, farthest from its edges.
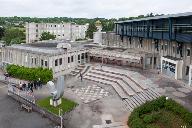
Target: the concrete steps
(119, 91)
(126, 88)
(126, 80)
(141, 98)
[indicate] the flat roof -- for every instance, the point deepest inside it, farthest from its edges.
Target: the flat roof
(159, 17)
(48, 47)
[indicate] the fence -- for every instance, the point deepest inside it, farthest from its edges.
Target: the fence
(27, 95)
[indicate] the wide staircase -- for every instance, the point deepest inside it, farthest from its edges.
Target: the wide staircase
(80, 69)
(132, 92)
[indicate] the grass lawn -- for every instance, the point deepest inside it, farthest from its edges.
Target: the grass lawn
(66, 105)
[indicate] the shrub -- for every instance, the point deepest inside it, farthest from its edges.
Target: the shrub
(152, 126)
(30, 74)
(148, 119)
(143, 116)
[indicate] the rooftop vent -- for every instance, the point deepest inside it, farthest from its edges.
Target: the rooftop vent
(64, 45)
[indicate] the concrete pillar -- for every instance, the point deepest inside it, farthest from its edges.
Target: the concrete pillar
(190, 52)
(161, 64)
(175, 49)
(144, 62)
(152, 66)
(190, 75)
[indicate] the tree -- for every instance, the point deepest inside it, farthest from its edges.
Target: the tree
(2, 31)
(47, 36)
(13, 36)
(92, 28)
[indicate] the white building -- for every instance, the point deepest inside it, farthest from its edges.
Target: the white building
(62, 31)
(61, 57)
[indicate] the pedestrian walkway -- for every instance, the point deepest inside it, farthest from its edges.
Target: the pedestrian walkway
(90, 93)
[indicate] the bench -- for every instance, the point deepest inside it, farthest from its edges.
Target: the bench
(28, 108)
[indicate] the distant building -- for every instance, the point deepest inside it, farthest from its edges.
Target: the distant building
(62, 31)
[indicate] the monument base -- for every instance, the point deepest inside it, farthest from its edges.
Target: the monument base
(55, 103)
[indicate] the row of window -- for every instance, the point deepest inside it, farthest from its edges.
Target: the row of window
(52, 25)
(43, 63)
(71, 59)
(60, 61)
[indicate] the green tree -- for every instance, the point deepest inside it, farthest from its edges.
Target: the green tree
(13, 36)
(2, 31)
(92, 28)
(47, 36)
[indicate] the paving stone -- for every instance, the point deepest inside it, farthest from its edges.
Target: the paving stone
(160, 90)
(179, 94)
(171, 89)
(90, 93)
(184, 90)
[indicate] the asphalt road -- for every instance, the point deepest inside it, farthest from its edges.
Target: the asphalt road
(12, 117)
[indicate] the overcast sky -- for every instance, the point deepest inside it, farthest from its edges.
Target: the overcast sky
(92, 8)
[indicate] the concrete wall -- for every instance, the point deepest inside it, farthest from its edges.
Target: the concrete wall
(165, 48)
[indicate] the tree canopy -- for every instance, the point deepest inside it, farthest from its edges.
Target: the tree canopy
(92, 28)
(2, 31)
(13, 36)
(47, 36)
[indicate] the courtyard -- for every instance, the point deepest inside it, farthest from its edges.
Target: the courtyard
(99, 104)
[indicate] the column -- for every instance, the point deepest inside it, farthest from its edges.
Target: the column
(190, 68)
(161, 64)
(144, 62)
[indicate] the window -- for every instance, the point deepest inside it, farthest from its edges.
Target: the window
(71, 58)
(78, 57)
(187, 70)
(68, 59)
(60, 61)
(55, 25)
(35, 60)
(86, 55)
(46, 63)
(41, 62)
(36, 30)
(82, 56)
(32, 60)
(188, 52)
(56, 62)
(36, 25)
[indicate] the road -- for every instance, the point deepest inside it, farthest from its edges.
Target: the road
(12, 117)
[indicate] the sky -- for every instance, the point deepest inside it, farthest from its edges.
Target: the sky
(92, 8)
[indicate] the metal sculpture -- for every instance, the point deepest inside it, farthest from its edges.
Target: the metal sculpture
(56, 91)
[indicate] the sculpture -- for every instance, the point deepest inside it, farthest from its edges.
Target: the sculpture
(56, 91)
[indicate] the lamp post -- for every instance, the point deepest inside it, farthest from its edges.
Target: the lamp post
(60, 114)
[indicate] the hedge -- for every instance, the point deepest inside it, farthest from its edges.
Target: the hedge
(136, 121)
(30, 74)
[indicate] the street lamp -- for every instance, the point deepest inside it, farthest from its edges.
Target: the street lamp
(60, 114)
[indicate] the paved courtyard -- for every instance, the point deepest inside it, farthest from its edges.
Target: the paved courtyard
(98, 103)
(90, 93)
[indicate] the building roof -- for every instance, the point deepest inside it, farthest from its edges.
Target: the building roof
(48, 47)
(159, 17)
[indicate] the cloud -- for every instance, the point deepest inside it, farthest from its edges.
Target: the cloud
(91, 8)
